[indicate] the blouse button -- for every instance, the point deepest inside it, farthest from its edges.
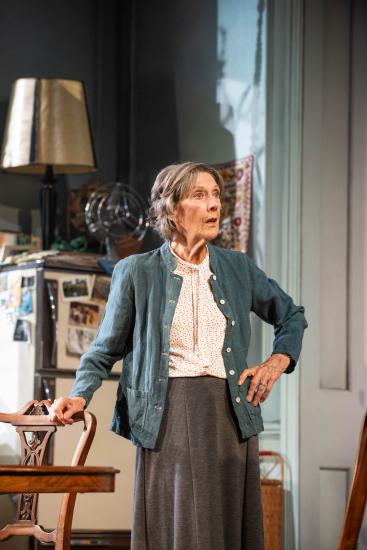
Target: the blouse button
(222, 301)
(238, 399)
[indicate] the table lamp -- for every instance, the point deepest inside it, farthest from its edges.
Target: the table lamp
(48, 132)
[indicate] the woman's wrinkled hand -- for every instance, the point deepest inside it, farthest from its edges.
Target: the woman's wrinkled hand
(63, 408)
(263, 377)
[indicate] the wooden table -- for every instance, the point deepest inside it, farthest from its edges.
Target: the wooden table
(57, 479)
(53, 479)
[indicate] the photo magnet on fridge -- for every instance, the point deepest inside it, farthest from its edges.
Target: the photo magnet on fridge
(84, 315)
(22, 331)
(101, 289)
(14, 292)
(79, 340)
(26, 303)
(3, 282)
(79, 287)
(28, 282)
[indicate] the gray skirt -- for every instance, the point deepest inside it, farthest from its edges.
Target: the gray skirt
(199, 489)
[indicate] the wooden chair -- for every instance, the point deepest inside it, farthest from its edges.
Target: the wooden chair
(35, 431)
(357, 497)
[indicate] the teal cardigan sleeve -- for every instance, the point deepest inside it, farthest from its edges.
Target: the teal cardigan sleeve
(276, 307)
(112, 336)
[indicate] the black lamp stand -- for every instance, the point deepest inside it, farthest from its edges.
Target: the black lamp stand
(48, 199)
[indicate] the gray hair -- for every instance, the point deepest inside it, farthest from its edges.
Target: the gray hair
(172, 184)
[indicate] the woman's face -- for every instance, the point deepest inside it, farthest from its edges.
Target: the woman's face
(197, 215)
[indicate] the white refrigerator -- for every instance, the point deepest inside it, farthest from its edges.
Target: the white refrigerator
(49, 314)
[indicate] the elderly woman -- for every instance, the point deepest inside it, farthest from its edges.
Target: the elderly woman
(179, 316)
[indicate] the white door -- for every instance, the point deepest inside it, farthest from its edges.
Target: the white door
(334, 267)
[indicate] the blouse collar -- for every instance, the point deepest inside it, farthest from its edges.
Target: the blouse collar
(195, 267)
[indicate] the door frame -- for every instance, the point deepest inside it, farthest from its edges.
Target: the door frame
(283, 215)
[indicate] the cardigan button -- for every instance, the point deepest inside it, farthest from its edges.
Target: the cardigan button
(233, 323)
(222, 301)
(214, 277)
(238, 400)
(231, 372)
(228, 350)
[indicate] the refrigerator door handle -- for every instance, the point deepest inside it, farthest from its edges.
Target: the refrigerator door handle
(52, 298)
(48, 392)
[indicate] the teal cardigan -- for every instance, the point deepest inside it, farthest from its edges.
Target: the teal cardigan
(136, 327)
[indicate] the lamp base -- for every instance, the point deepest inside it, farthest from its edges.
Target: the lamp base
(48, 201)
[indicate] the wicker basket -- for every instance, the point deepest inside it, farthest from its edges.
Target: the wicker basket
(272, 492)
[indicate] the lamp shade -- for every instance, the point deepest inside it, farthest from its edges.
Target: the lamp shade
(48, 126)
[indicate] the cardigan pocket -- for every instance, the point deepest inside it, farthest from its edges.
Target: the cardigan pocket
(137, 401)
(254, 410)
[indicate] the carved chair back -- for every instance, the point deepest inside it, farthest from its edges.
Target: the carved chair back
(35, 431)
